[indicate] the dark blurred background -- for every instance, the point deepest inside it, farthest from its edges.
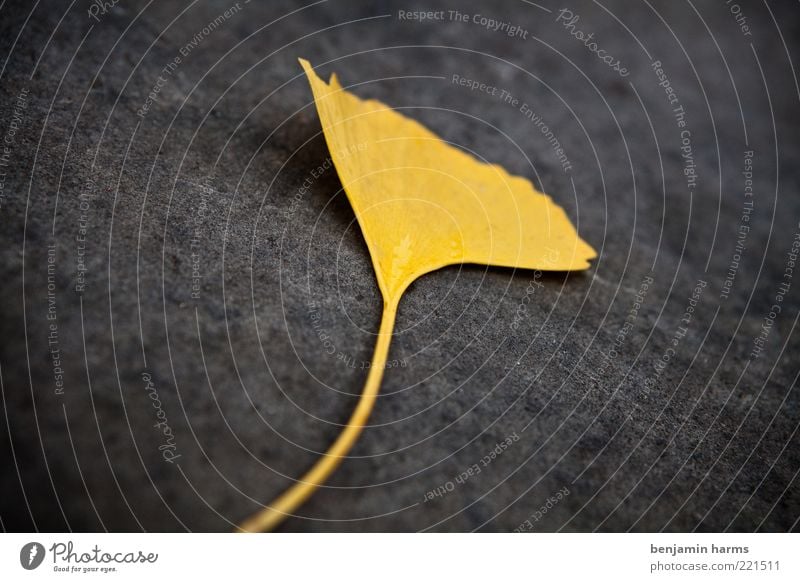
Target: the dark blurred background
(186, 314)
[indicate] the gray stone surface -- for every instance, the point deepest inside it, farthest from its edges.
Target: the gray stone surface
(256, 373)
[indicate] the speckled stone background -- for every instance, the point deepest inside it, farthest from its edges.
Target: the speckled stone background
(115, 204)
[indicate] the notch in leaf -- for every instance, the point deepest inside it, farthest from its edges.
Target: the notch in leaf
(422, 204)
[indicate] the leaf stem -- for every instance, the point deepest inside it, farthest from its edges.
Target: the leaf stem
(284, 505)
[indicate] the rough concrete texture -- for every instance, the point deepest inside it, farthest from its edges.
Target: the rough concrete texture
(214, 185)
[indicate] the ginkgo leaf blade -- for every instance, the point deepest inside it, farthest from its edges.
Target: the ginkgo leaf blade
(404, 182)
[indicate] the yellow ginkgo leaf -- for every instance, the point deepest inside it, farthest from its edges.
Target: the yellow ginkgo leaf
(422, 204)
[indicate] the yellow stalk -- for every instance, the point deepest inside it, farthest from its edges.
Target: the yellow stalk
(287, 503)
